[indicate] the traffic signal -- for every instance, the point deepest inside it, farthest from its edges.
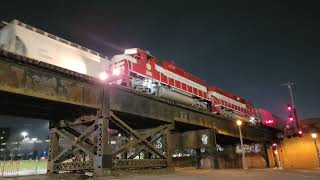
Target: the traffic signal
(298, 133)
(290, 117)
(289, 107)
(292, 126)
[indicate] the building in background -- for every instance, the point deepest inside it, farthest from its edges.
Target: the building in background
(15, 145)
(4, 138)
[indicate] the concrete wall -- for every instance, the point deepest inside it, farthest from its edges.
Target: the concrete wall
(232, 162)
(299, 152)
(296, 153)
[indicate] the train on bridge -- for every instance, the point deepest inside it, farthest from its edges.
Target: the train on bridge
(135, 68)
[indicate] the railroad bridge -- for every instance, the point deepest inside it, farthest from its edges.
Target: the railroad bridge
(106, 128)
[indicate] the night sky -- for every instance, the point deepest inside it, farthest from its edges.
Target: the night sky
(245, 47)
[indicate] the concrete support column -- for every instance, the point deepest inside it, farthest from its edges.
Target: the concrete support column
(265, 154)
(214, 151)
(198, 158)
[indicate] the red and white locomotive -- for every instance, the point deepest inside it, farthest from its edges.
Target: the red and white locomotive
(143, 72)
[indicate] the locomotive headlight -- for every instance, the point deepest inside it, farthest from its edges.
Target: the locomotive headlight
(116, 71)
(103, 76)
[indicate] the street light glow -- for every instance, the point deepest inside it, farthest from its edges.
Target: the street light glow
(239, 122)
(103, 76)
(116, 71)
(24, 134)
(314, 135)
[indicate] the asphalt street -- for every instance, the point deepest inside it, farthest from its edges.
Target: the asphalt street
(205, 174)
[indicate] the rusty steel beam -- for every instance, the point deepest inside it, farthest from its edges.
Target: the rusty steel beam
(29, 77)
(157, 109)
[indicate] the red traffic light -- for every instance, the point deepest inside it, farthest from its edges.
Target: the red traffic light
(289, 107)
(300, 132)
(290, 118)
(274, 146)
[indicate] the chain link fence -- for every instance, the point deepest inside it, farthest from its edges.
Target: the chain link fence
(22, 167)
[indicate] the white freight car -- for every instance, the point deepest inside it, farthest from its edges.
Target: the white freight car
(31, 42)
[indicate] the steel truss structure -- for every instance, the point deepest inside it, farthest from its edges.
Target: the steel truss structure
(106, 144)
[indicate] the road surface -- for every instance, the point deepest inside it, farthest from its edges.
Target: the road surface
(193, 174)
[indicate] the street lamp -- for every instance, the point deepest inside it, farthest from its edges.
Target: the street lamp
(314, 137)
(244, 165)
(24, 134)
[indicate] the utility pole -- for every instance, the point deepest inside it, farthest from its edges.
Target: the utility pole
(289, 85)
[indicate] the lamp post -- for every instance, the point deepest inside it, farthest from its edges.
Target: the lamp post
(244, 164)
(314, 137)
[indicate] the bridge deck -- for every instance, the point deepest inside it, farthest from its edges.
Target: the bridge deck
(24, 78)
(151, 107)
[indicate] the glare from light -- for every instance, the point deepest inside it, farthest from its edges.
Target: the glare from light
(119, 135)
(239, 123)
(24, 134)
(130, 51)
(103, 76)
(275, 152)
(314, 135)
(270, 121)
(116, 71)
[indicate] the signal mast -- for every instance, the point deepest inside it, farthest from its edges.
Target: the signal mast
(291, 109)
